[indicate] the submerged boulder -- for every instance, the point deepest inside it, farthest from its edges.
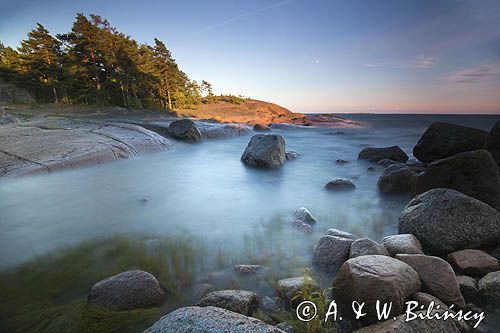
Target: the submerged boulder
(376, 154)
(437, 277)
(265, 151)
(291, 155)
(340, 184)
(240, 301)
(331, 252)
(445, 220)
(209, 319)
(373, 277)
(441, 140)
(396, 179)
(127, 291)
(473, 173)
(185, 129)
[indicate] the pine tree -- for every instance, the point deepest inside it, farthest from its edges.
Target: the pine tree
(40, 56)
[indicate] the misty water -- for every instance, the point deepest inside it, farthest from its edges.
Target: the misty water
(205, 191)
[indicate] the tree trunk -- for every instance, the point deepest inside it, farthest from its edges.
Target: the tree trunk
(169, 101)
(56, 99)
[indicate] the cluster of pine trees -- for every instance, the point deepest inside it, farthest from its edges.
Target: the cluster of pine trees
(96, 64)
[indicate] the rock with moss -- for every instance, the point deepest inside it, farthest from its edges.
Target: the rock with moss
(127, 291)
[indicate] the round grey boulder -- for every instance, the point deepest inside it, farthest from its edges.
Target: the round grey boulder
(240, 301)
(473, 173)
(376, 154)
(303, 214)
(185, 129)
(403, 243)
(445, 221)
(371, 278)
(127, 291)
(396, 179)
(441, 140)
(366, 246)
(194, 319)
(265, 151)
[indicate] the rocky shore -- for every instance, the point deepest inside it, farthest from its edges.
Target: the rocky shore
(445, 258)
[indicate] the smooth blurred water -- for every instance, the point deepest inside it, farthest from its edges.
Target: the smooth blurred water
(205, 190)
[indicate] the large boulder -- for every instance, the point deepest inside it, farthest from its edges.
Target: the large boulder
(373, 277)
(376, 154)
(331, 252)
(194, 319)
(185, 129)
(473, 173)
(396, 179)
(403, 243)
(489, 288)
(445, 220)
(492, 143)
(127, 291)
(241, 301)
(366, 246)
(441, 140)
(473, 262)
(265, 151)
(437, 277)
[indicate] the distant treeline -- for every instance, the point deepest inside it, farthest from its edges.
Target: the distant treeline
(96, 64)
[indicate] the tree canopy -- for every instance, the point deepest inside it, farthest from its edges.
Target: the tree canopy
(96, 64)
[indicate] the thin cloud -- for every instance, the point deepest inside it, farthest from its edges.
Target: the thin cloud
(415, 63)
(475, 74)
(250, 13)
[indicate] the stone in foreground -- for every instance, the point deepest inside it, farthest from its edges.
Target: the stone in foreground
(209, 319)
(489, 288)
(472, 173)
(401, 244)
(473, 262)
(376, 154)
(437, 277)
(445, 221)
(331, 252)
(185, 129)
(441, 140)
(265, 151)
(366, 246)
(127, 291)
(340, 184)
(373, 277)
(240, 301)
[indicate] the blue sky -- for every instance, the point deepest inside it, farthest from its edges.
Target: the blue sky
(311, 56)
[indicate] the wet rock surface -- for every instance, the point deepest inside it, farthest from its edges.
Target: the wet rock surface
(185, 129)
(340, 184)
(396, 179)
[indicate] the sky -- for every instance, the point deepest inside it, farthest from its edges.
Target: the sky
(402, 56)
